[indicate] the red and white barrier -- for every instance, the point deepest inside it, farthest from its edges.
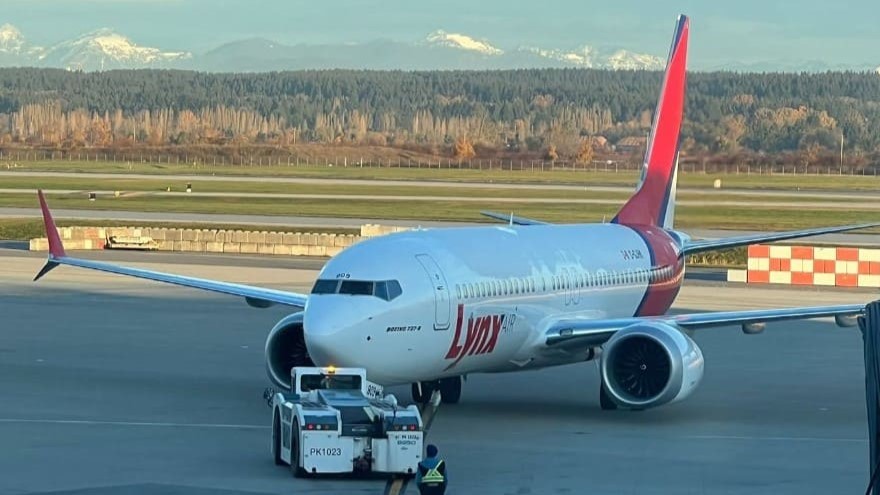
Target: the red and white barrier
(809, 265)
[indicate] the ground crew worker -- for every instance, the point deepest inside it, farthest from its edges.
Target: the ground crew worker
(431, 478)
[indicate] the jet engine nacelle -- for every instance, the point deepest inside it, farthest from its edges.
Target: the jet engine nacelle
(650, 364)
(286, 348)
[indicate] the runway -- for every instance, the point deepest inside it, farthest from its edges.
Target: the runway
(115, 385)
(467, 199)
(586, 185)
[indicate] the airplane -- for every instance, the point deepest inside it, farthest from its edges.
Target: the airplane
(427, 307)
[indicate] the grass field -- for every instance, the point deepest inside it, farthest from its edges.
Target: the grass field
(694, 186)
(686, 180)
(727, 217)
(22, 229)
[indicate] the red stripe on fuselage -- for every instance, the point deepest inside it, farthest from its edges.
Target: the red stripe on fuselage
(661, 291)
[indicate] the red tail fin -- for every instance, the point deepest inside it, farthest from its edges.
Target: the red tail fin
(654, 201)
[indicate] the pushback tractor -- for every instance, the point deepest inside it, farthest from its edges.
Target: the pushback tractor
(336, 421)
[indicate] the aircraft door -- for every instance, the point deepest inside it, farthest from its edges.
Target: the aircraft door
(442, 300)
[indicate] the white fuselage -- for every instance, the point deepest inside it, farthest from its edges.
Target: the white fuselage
(478, 299)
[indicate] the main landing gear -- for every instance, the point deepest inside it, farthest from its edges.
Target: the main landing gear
(450, 390)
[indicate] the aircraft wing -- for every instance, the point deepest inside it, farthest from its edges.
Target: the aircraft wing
(512, 218)
(255, 296)
(692, 247)
(586, 333)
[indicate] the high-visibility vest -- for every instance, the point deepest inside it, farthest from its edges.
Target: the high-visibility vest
(432, 475)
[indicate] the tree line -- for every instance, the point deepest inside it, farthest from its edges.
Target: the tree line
(553, 112)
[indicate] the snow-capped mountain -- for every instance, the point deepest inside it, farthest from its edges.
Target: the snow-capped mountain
(627, 60)
(14, 48)
(462, 42)
(440, 50)
(106, 49)
(11, 39)
(592, 58)
(585, 56)
(97, 50)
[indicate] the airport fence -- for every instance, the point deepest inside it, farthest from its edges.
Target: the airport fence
(11, 159)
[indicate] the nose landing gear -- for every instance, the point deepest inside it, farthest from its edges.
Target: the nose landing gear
(450, 390)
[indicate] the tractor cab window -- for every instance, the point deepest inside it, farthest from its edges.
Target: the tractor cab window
(330, 382)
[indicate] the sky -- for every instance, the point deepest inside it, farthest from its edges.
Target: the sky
(741, 31)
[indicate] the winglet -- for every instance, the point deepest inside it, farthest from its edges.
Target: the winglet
(56, 248)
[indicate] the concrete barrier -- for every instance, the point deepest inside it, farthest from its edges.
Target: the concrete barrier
(217, 241)
(374, 230)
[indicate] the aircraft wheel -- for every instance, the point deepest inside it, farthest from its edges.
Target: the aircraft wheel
(423, 396)
(450, 390)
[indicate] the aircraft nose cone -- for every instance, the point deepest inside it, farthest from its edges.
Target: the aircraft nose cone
(328, 335)
(323, 351)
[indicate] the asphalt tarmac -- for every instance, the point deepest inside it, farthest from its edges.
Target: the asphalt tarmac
(467, 199)
(588, 185)
(115, 385)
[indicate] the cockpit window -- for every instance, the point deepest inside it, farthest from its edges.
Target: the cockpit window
(385, 289)
(388, 289)
(325, 287)
(356, 288)
(394, 289)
